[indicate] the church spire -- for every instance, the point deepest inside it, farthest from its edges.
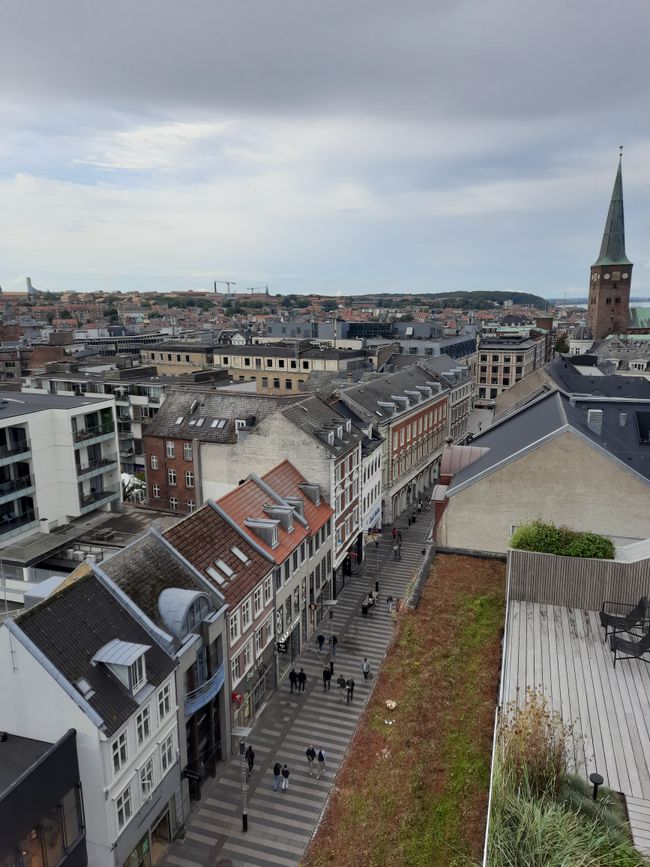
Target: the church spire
(612, 249)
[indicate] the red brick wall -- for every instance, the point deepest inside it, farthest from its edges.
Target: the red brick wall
(156, 446)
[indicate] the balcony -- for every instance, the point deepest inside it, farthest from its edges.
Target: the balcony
(92, 431)
(14, 450)
(197, 698)
(12, 487)
(89, 467)
(11, 524)
(91, 500)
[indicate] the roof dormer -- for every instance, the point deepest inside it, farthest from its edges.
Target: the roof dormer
(266, 530)
(183, 610)
(283, 514)
(126, 661)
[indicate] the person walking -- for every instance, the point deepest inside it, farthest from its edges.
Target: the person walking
(310, 752)
(350, 688)
(285, 778)
(396, 551)
(399, 536)
(394, 532)
(249, 755)
(365, 668)
(419, 505)
(342, 685)
(390, 604)
(277, 770)
(327, 679)
(302, 680)
(293, 679)
(321, 763)
(321, 641)
(376, 540)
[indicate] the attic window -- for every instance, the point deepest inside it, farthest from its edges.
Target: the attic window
(224, 568)
(199, 422)
(137, 674)
(126, 660)
(214, 422)
(240, 555)
(179, 419)
(85, 688)
(222, 423)
(212, 572)
(192, 422)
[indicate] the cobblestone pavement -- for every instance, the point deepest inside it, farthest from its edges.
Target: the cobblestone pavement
(280, 824)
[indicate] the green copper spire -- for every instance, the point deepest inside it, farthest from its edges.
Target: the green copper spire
(612, 250)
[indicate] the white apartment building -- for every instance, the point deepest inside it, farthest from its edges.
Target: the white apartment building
(83, 660)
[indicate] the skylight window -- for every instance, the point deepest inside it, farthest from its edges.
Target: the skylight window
(240, 555)
(222, 423)
(199, 422)
(192, 422)
(212, 572)
(225, 568)
(179, 420)
(214, 422)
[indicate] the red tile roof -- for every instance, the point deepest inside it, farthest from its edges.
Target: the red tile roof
(205, 537)
(248, 501)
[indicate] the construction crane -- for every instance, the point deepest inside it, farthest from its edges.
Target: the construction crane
(253, 289)
(227, 283)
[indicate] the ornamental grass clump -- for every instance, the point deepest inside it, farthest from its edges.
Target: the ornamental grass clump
(546, 538)
(533, 742)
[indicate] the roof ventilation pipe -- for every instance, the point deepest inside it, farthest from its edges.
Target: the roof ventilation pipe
(595, 421)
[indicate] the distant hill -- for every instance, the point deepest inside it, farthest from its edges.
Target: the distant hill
(472, 300)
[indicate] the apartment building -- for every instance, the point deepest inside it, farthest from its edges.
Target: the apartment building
(502, 362)
(411, 412)
(284, 368)
(285, 515)
(82, 660)
(139, 392)
(172, 443)
(243, 573)
(174, 358)
(58, 460)
(189, 610)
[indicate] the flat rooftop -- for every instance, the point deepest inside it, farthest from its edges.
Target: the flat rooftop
(17, 755)
(561, 651)
(13, 403)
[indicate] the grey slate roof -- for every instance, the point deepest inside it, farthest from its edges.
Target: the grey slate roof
(612, 248)
(313, 416)
(550, 414)
(570, 380)
(210, 407)
(22, 403)
(70, 626)
(147, 567)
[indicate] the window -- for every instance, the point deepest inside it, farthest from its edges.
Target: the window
(124, 807)
(268, 590)
(71, 817)
(280, 362)
(191, 506)
(305, 365)
(171, 477)
(154, 462)
(167, 753)
(302, 552)
(234, 627)
(169, 449)
(119, 752)
(187, 451)
(155, 491)
(173, 504)
(295, 560)
(276, 383)
(247, 362)
(257, 600)
(246, 614)
(189, 479)
(248, 655)
(288, 384)
(143, 725)
(146, 778)
(292, 364)
(269, 362)
(164, 702)
(137, 674)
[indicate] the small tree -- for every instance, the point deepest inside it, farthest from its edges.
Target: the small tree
(562, 344)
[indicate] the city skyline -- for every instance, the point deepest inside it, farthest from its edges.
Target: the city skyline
(346, 149)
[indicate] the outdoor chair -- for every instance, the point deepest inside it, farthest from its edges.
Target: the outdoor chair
(625, 617)
(622, 648)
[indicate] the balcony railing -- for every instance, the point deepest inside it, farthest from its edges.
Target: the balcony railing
(97, 496)
(89, 466)
(16, 448)
(197, 698)
(12, 485)
(94, 431)
(12, 522)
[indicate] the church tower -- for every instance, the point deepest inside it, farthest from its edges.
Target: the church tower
(608, 311)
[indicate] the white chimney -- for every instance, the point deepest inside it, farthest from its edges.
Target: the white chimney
(595, 421)
(622, 419)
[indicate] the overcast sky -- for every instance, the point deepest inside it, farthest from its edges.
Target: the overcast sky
(333, 146)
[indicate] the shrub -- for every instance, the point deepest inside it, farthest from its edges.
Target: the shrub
(545, 537)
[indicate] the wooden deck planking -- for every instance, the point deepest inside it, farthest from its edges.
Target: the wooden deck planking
(561, 651)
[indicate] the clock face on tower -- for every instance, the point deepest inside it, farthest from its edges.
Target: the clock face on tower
(606, 276)
(616, 275)
(625, 275)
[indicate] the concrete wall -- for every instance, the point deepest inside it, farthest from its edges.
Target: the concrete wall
(565, 481)
(274, 440)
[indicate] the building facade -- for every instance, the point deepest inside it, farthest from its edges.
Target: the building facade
(502, 362)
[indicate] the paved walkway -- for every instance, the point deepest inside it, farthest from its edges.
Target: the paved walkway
(280, 824)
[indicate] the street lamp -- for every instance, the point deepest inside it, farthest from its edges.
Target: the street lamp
(330, 605)
(244, 787)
